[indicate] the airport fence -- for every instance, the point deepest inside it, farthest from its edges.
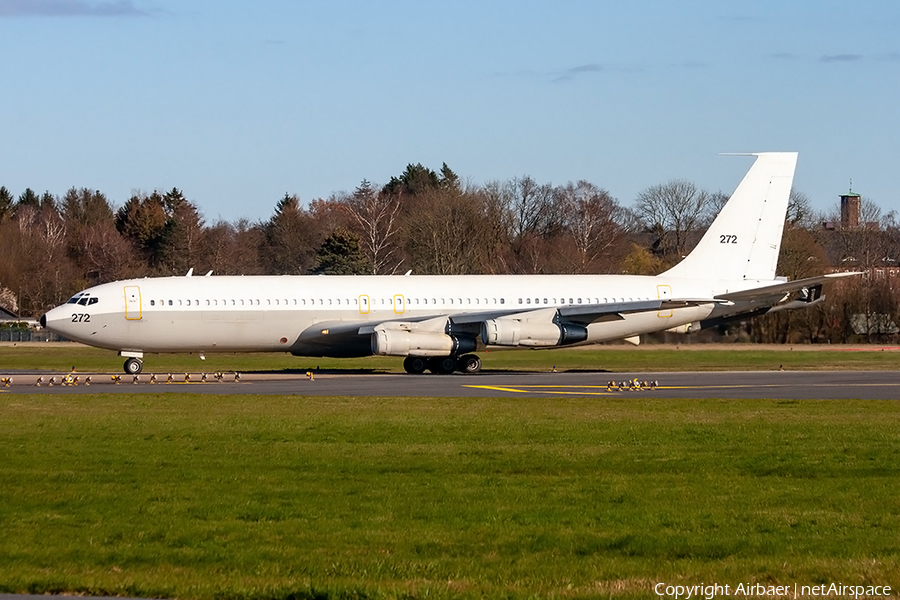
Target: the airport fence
(8, 334)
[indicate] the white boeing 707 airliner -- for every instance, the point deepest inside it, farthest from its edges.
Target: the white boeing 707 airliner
(438, 321)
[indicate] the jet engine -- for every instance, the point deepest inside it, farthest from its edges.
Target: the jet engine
(511, 332)
(398, 342)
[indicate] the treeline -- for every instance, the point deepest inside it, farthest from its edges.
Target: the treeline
(429, 222)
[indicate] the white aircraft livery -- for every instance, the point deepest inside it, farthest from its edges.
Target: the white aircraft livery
(438, 322)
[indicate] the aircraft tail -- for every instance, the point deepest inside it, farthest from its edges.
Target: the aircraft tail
(744, 239)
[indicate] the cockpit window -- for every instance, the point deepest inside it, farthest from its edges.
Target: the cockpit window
(74, 299)
(83, 301)
(93, 301)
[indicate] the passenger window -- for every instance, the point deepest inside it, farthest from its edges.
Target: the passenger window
(171, 303)
(153, 303)
(187, 301)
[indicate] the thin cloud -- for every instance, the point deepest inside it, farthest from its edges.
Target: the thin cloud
(68, 8)
(832, 58)
(570, 74)
(590, 68)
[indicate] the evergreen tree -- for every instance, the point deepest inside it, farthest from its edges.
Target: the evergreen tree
(6, 203)
(85, 207)
(414, 181)
(142, 220)
(180, 240)
(340, 254)
(29, 198)
(289, 235)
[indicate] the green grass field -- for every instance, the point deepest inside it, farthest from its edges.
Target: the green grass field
(602, 358)
(292, 497)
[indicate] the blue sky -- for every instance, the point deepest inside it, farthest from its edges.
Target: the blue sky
(237, 103)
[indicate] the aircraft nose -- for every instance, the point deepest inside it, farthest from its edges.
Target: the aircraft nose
(43, 321)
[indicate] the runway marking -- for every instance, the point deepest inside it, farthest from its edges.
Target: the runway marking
(583, 389)
(498, 388)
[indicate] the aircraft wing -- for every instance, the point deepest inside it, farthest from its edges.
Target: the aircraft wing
(586, 313)
(782, 288)
(352, 337)
(581, 313)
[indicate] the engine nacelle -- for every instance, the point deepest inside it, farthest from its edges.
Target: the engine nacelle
(510, 332)
(398, 342)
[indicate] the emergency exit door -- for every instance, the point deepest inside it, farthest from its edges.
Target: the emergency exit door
(132, 302)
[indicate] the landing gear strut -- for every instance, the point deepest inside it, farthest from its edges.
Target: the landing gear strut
(133, 366)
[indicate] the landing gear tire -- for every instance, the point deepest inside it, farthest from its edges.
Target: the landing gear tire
(415, 365)
(468, 364)
(442, 366)
(133, 366)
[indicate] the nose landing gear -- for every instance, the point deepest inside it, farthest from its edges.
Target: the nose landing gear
(133, 366)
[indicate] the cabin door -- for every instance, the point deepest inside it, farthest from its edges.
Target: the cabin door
(132, 302)
(664, 292)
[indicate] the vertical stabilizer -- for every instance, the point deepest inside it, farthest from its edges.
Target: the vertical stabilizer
(744, 239)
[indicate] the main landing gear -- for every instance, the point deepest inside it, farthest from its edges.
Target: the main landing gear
(467, 363)
(133, 366)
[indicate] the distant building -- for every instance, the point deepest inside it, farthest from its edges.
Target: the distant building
(850, 209)
(851, 215)
(8, 316)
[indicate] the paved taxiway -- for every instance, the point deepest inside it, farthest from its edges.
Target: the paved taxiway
(794, 385)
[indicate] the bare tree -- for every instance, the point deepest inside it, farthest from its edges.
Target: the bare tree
(673, 212)
(375, 215)
(450, 232)
(590, 218)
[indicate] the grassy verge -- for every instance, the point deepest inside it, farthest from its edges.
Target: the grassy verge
(613, 359)
(199, 496)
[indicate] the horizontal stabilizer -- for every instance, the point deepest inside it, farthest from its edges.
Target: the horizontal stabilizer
(783, 288)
